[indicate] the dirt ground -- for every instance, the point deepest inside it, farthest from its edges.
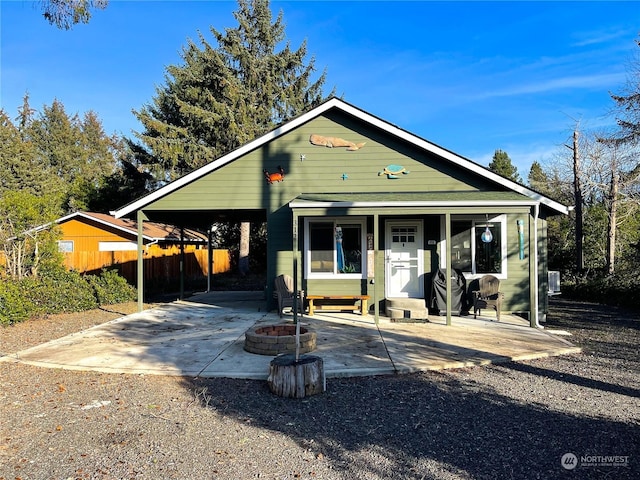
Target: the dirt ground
(575, 416)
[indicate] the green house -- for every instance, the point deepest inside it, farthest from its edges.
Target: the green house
(358, 206)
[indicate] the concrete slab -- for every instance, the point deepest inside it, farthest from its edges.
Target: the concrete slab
(205, 337)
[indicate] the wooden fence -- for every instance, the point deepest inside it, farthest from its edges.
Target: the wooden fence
(159, 265)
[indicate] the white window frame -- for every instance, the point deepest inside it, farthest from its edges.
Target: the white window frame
(476, 219)
(63, 246)
(107, 246)
(362, 221)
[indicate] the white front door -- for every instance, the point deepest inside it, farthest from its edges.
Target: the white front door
(404, 259)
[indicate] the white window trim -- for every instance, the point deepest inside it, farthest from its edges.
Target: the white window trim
(502, 220)
(107, 246)
(335, 220)
(65, 249)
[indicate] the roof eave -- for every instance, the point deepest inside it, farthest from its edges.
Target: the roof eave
(409, 203)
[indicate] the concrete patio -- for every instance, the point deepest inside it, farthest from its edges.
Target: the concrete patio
(204, 337)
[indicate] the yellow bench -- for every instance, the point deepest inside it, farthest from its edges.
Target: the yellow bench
(313, 306)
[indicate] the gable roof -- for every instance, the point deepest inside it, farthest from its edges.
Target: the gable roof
(336, 103)
(152, 231)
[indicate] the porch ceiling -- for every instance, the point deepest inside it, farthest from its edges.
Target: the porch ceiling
(203, 219)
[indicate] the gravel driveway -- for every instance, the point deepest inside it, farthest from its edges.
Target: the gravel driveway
(514, 420)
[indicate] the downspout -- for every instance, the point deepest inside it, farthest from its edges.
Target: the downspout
(535, 307)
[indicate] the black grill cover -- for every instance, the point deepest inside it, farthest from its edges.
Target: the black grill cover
(458, 292)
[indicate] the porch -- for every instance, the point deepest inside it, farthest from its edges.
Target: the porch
(204, 337)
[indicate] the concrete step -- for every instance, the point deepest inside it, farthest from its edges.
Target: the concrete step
(406, 309)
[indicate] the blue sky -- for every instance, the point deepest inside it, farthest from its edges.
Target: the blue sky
(472, 77)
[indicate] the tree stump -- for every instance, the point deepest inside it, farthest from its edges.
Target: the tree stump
(291, 379)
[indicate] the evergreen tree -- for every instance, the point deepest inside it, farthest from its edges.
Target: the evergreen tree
(67, 13)
(223, 97)
(49, 164)
(19, 169)
(501, 164)
(126, 184)
(628, 108)
(76, 153)
(538, 179)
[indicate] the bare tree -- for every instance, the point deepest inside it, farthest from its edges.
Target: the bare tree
(602, 178)
(615, 181)
(577, 193)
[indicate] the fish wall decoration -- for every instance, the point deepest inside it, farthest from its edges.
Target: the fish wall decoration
(334, 142)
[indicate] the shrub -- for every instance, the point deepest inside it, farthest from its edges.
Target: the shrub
(60, 291)
(16, 305)
(64, 291)
(110, 288)
(620, 289)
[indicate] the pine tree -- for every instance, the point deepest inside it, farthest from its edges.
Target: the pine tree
(18, 168)
(628, 109)
(538, 179)
(223, 97)
(49, 164)
(75, 152)
(501, 164)
(65, 14)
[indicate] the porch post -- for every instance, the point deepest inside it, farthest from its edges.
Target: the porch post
(182, 259)
(209, 257)
(447, 236)
(376, 305)
(295, 268)
(140, 218)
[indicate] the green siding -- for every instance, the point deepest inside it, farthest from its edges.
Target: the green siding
(516, 285)
(241, 184)
(336, 287)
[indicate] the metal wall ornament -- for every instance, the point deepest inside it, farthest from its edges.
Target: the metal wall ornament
(487, 236)
(274, 177)
(394, 171)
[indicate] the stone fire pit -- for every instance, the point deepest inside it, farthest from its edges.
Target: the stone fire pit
(276, 339)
